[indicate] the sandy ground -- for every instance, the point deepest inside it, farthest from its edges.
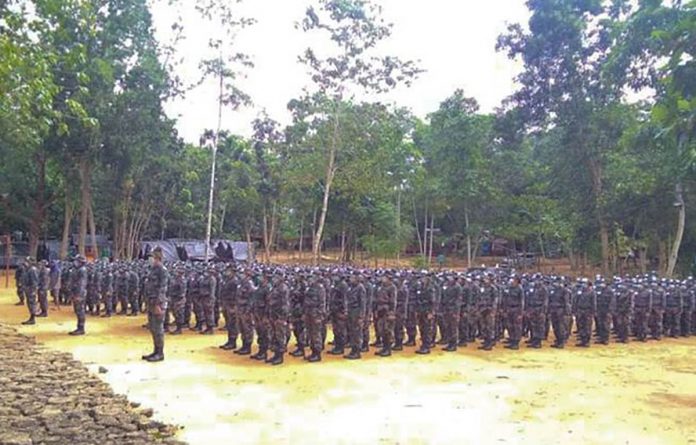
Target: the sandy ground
(635, 394)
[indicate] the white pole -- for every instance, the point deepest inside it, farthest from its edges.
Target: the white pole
(212, 173)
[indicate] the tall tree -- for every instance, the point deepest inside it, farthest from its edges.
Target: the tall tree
(354, 27)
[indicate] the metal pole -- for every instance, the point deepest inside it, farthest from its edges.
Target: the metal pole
(210, 204)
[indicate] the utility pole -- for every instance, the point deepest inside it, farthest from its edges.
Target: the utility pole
(212, 173)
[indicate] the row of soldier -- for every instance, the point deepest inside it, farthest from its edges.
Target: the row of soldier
(273, 304)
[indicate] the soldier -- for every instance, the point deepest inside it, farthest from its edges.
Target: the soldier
(369, 314)
(425, 303)
(673, 308)
(466, 313)
(411, 319)
(356, 306)
(55, 281)
(122, 289)
(44, 278)
(559, 310)
(193, 300)
(78, 293)
(19, 282)
(107, 291)
(688, 308)
(30, 284)
(656, 318)
(488, 300)
(65, 272)
(641, 310)
(451, 306)
(606, 308)
(156, 294)
(245, 319)
(314, 317)
(206, 297)
(177, 298)
(536, 307)
(584, 308)
(260, 312)
(228, 292)
(513, 312)
(133, 291)
(402, 304)
(337, 315)
(385, 315)
(278, 313)
(624, 310)
(296, 319)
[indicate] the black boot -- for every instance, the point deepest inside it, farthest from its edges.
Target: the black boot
(19, 303)
(486, 346)
(536, 344)
(30, 321)
(176, 331)
(261, 355)
(337, 350)
(277, 359)
(158, 356)
(208, 331)
(411, 341)
(399, 346)
(245, 349)
(145, 357)
(230, 345)
(513, 345)
(315, 357)
(450, 347)
(384, 352)
(424, 349)
(43, 314)
(299, 352)
(79, 331)
(354, 354)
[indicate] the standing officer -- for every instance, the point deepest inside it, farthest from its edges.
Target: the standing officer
(30, 284)
(177, 299)
(536, 307)
(245, 318)
(156, 295)
(78, 293)
(228, 292)
(402, 304)
(44, 278)
(425, 304)
(488, 301)
(337, 314)
(585, 308)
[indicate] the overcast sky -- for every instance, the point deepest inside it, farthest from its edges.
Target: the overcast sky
(454, 40)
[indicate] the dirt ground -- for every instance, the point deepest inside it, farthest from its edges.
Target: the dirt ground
(620, 394)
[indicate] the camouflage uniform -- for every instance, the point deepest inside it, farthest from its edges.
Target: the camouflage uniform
(606, 308)
(402, 304)
(559, 311)
(78, 295)
(228, 293)
(356, 304)
(424, 306)
(673, 309)
(261, 322)
(206, 297)
(513, 311)
(156, 294)
(314, 310)
(245, 319)
(385, 315)
(298, 330)
(133, 291)
(337, 315)
(44, 278)
(451, 306)
(657, 313)
(584, 308)
(488, 301)
(30, 284)
(278, 314)
(177, 298)
(536, 306)
(624, 311)
(641, 312)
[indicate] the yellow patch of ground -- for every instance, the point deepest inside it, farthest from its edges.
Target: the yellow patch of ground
(620, 394)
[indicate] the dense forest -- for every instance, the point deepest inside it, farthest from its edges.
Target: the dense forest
(592, 157)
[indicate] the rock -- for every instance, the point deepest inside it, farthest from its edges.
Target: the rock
(103, 370)
(147, 412)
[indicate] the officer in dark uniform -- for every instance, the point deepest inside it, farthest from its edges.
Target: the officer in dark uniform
(156, 295)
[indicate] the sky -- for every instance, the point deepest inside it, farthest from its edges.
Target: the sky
(452, 40)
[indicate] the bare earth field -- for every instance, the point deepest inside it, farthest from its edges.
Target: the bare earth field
(617, 394)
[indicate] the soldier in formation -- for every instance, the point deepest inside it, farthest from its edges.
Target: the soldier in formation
(272, 306)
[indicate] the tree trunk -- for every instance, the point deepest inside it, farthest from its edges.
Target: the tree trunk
(93, 229)
(330, 172)
(67, 218)
(85, 175)
(468, 238)
(432, 227)
(398, 226)
(343, 245)
(266, 236)
(301, 236)
(415, 218)
(681, 221)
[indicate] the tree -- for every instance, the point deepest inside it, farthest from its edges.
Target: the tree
(355, 28)
(562, 85)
